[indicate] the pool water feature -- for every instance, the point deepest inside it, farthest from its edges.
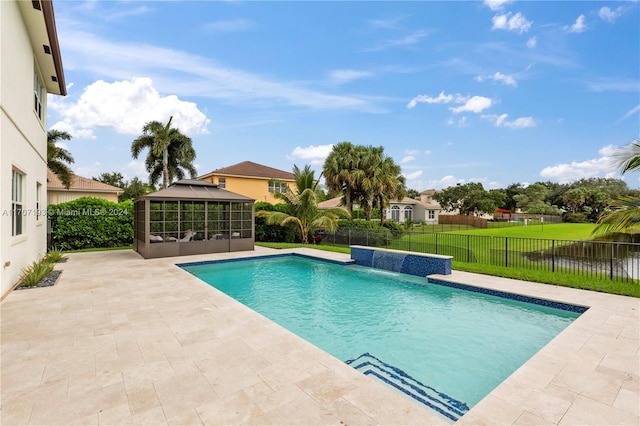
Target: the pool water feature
(446, 347)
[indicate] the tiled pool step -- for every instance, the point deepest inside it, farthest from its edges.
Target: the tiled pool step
(393, 376)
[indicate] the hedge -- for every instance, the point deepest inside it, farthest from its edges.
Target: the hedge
(90, 222)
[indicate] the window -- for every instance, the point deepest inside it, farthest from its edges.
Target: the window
(16, 202)
(408, 213)
(38, 202)
(395, 213)
(432, 214)
(222, 183)
(38, 94)
(280, 187)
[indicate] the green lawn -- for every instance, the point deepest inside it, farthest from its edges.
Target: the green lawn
(556, 231)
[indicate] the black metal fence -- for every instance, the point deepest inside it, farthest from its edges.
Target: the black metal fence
(612, 260)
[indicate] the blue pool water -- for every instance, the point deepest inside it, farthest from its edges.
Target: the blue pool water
(448, 346)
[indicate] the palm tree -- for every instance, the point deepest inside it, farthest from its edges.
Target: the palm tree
(625, 215)
(338, 171)
(170, 152)
(58, 156)
(378, 180)
(302, 208)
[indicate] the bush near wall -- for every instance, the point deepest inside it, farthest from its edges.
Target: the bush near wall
(273, 233)
(90, 222)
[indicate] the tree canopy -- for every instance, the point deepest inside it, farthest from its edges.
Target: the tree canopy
(170, 154)
(59, 158)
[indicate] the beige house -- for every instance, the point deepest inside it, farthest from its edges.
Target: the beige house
(252, 180)
(424, 209)
(80, 187)
(30, 68)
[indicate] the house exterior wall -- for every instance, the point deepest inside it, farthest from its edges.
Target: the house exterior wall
(420, 213)
(253, 187)
(62, 196)
(23, 147)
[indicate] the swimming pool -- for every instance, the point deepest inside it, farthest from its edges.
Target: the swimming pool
(444, 346)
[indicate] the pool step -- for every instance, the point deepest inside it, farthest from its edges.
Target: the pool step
(393, 376)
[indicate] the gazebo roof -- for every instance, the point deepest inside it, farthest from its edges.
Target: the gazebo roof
(193, 189)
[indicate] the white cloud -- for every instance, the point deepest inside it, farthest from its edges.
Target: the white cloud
(412, 176)
(609, 15)
(409, 40)
(474, 104)
(496, 4)
(629, 113)
(507, 80)
(186, 74)
(427, 152)
(578, 26)
(125, 106)
(518, 123)
(596, 167)
(510, 22)
(440, 99)
(136, 168)
(313, 154)
(532, 42)
(346, 76)
(407, 159)
(234, 25)
(462, 122)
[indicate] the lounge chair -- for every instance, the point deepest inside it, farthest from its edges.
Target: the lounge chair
(188, 236)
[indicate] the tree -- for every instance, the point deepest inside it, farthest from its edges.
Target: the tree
(338, 171)
(302, 207)
(625, 215)
(58, 156)
(469, 199)
(113, 179)
(132, 189)
(170, 152)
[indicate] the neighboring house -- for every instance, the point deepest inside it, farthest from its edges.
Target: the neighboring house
(30, 67)
(414, 210)
(80, 187)
(252, 180)
(423, 210)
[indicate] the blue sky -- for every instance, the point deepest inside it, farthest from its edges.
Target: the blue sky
(497, 92)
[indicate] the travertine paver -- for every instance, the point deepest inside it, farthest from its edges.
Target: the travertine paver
(123, 340)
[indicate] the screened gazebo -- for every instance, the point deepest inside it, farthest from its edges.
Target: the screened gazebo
(192, 217)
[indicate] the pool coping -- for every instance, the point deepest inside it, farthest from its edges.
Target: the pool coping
(588, 374)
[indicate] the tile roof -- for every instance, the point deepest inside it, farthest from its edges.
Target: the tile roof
(337, 202)
(251, 169)
(79, 183)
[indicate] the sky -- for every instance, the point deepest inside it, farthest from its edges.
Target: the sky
(497, 92)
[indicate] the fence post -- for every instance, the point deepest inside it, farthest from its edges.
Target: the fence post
(506, 251)
(349, 236)
(437, 242)
(468, 248)
(410, 233)
(611, 263)
(553, 255)
(367, 238)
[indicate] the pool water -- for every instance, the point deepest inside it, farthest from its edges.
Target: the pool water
(449, 346)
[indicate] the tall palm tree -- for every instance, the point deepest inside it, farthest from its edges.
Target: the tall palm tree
(378, 180)
(170, 152)
(58, 156)
(302, 208)
(625, 215)
(338, 171)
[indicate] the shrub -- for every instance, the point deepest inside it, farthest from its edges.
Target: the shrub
(575, 218)
(54, 255)
(90, 222)
(36, 272)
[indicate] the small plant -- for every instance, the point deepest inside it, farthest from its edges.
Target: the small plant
(54, 256)
(36, 272)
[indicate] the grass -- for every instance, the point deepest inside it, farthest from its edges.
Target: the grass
(564, 279)
(555, 231)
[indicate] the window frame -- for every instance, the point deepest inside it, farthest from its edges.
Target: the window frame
(277, 187)
(17, 202)
(38, 94)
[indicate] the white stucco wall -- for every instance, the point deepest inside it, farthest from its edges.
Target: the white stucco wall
(23, 146)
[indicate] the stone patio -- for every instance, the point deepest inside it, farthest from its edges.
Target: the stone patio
(122, 340)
